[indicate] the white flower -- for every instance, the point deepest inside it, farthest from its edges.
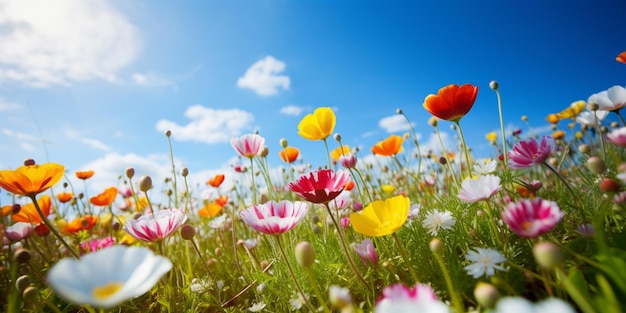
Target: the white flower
(589, 119)
(485, 262)
(414, 210)
(482, 188)
(409, 306)
(219, 222)
(296, 302)
(485, 167)
(611, 99)
(436, 220)
(339, 297)
(257, 307)
(521, 305)
(108, 277)
(198, 285)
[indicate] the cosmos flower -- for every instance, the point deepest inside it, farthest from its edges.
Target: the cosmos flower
(29, 180)
(366, 251)
(612, 99)
(436, 221)
(452, 102)
(381, 218)
(532, 218)
(152, 227)
(485, 167)
(398, 298)
(275, 217)
(106, 198)
(320, 186)
(617, 136)
(481, 188)
(96, 244)
(248, 146)
(318, 125)
(392, 145)
(528, 152)
(484, 262)
(108, 277)
(289, 154)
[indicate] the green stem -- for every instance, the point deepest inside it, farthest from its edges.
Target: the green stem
(456, 301)
(253, 185)
(330, 164)
(444, 153)
(52, 229)
(502, 126)
(316, 289)
(169, 142)
(405, 257)
(576, 295)
(467, 157)
(293, 275)
(492, 222)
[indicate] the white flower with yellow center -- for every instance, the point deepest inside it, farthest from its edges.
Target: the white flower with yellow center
(108, 277)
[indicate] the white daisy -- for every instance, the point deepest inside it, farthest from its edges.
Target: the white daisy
(436, 220)
(482, 188)
(485, 167)
(484, 262)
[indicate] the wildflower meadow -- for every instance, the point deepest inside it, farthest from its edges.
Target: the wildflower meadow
(536, 227)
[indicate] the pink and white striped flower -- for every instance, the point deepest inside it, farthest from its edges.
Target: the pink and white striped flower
(400, 298)
(149, 227)
(248, 146)
(617, 136)
(275, 217)
(528, 152)
(532, 218)
(320, 186)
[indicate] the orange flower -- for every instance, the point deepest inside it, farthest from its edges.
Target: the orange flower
(552, 118)
(388, 147)
(7, 209)
(621, 57)
(65, 196)
(221, 200)
(349, 186)
(216, 181)
(289, 154)
(105, 198)
(80, 223)
(559, 134)
(28, 212)
(84, 174)
(452, 102)
(29, 180)
(210, 210)
(339, 151)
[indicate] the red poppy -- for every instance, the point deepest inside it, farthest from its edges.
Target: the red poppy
(216, 180)
(105, 198)
(28, 212)
(84, 174)
(388, 147)
(289, 154)
(621, 57)
(452, 102)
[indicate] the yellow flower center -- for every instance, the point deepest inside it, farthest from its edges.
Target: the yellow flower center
(526, 225)
(106, 290)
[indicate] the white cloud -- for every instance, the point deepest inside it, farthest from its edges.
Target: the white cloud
(394, 123)
(291, 110)
(60, 42)
(434, 145)
(263, 77)
(208, 125)
(91, 142)
(151, 80)
(8, 106)
(18, 135)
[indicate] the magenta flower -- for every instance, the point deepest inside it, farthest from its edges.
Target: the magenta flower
(532, 218)
(249, 145)
(617, 136)
(482, 188)
(96, 244)
(273, 217)
(348, 161)
(320, 186)
(401, 292)
(528, 152)
(366, 251)
(18, 231)
(399, 298)
(149, 227)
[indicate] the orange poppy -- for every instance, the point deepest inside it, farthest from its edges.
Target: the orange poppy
(349, 186)
(84, 174)
(451, 102)
(339, 151)
(216, 181)
(65, 196)
(80, 223)
(289, 154)
(221, 200)
(29, 180)
(621, 57)
(105, 198)
(28, 212)
(388, 147)
(210, 210)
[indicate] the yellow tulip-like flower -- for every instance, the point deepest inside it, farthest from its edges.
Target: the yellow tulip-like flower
(381, 218)
(339, 151)
(318, 125)
(29, 180)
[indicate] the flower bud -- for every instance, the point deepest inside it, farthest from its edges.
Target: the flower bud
(614, 124)
(145, 183)
(168, 133)
(29, 162)
(547, 255)
(493, 85)
(29, 294)
(187, 232)
(553, 161)
(436, 246)
(524, 118)
(433, 121)
(339, 297)
(486, 294)
(22, 282)
(337, 137)
(22, 256)
(184, 172)
(305, 254)
(596, 165)
(399, 111)
(609, 185)
(16, 208)
(584, 148)
(284, 143)
(592, 106)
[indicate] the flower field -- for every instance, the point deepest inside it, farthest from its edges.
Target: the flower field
(537, 227)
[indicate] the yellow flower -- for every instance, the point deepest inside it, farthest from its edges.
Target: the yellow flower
(339, 151)
(381, 218)
(29, 180)
(388, 189)
(492, 136)
(318, 125)
(573, 110)
(578, 135)
(552, 118)
(559, 134)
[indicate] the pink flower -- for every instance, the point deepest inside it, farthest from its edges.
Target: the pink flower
(366, 251)
(249, 145)
(399, 298)
(320, 186)
(528, 152)
(482, 188)
(275, 217)
(18, 231)
(348, 160)
(345, 222)
(401, 292)
(617, 136)
(532, 218)
(149, 227)
(96, 244)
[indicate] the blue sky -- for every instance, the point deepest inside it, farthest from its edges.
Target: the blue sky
(93, 85)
